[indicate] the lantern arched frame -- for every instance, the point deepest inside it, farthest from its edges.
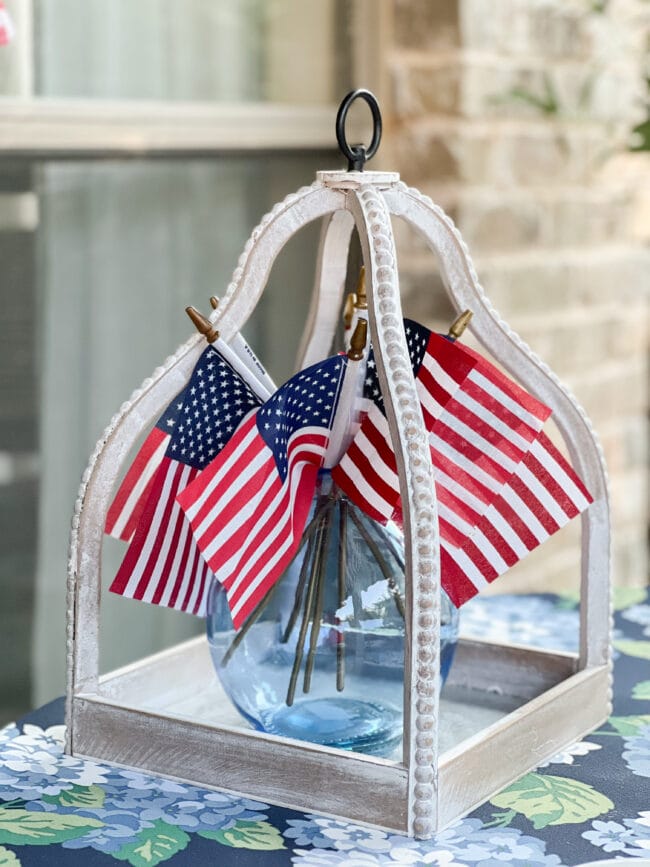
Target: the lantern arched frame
(135, 717)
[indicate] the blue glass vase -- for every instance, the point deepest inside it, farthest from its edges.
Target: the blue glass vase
(322, 657)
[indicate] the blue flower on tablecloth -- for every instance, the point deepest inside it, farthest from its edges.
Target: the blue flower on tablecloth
(325, 833)
(537, 622)
(120, 829)
(127, 811)
(631, 838)
(465, 842)
(637, 752)
(33, 765)
(357, 858)
(639, 614)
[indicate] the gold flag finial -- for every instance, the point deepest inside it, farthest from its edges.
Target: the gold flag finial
(459, 325)
(348, 309)
(361, 302)
(358, 341)
(202, 325)
(214, 302)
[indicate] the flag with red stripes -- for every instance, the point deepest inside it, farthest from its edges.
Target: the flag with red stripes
(501, 486)
(133, 493)
(162, 564)
(7, 31)
(248, 509)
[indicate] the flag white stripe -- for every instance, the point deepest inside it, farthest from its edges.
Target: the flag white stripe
(467, 566)
(291, 483)
(217, 509)
(440, 375)
(366, 491)
(195, 508)
(506, 531)
(387, 473)
(479, 442)
(238, 518)
(136, 491)
(198, 582)
(235, 564)
(515, 408)
(558, 473)
(527, 516)
(464, 463)
(486, 415)
(188, 576)
(150, 540)
(542, 495)
(427, 400)
(176, 563)
(175, 516)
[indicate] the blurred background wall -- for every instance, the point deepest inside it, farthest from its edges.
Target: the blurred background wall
(516, 116)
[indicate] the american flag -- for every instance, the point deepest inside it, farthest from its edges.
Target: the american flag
(162, 564)
(502, 487)
(249, 508)
(7, 32)
(126, 508)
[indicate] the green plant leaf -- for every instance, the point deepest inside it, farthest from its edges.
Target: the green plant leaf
(642, 690)
(154, 845)
(628, 726)
(8, 858)
(549, 800)
(78, 796)
(31, 828)
(248, 835)
(640, 649)
(624, 597)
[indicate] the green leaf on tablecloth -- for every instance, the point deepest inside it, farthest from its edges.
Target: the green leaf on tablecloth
(248, 835)
(154, 845)
(628, 726)
(568, 601)
(78, 796)
(32, 828)
(624, 597)
(8, 858)
(642, 690)
(549, 800)
(640, 649)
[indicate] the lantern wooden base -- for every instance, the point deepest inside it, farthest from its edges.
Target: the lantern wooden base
(167, 714)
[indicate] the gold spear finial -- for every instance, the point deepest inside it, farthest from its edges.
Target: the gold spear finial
(459, 325)
(214, 302)
(361, 302)
(202, 325)
(348, 309)
(358, 341)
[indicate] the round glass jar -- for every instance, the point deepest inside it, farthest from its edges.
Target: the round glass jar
(322, 657)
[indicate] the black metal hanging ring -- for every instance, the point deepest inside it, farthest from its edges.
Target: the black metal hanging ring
(358, 154)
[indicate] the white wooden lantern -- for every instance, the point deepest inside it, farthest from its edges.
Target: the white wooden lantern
(166, 714)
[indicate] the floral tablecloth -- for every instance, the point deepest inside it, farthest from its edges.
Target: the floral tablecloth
(588, 803)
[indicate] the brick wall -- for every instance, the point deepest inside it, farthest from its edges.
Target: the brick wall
(513, 115)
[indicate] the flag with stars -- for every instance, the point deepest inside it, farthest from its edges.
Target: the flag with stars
(248, 509)
(162, 564)
(502, 488)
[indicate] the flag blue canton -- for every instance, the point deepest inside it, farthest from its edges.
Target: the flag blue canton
(203, 418)
(417, 339)
(309, 399)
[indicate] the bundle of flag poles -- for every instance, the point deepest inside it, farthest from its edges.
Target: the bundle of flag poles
(238, 479)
